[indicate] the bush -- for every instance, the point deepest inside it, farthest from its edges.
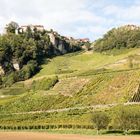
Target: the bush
(28, 71)
(126, 118)
(44, 84)
(101, 120)
(8, 80)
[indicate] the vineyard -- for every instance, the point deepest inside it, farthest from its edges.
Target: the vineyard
(74, 83)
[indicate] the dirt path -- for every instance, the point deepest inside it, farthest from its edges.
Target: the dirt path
(45, 136)
(94, 107)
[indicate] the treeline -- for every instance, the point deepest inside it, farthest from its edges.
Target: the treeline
(124, 37)
(26, 52)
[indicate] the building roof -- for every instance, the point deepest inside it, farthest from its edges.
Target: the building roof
(83, 39)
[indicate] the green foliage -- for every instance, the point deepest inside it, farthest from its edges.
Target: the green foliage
(101, 120)
(45, 83)
(122, 37)
(9, 79)
(88, 45)
(25, 73)
(11, 27)
(28, 71)
(15, 89)
(28, 50)
(126, 118)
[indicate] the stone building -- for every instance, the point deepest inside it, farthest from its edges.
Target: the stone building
(38, 27)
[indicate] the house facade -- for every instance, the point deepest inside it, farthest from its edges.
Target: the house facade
(32, 27)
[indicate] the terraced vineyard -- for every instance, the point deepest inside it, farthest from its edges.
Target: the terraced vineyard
(68, 86)
(71, 81)
(136, 96)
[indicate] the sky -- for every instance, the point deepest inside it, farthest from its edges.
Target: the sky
(76, 18)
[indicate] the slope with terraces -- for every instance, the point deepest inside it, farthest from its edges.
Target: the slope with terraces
(68, 86)
(88, 80)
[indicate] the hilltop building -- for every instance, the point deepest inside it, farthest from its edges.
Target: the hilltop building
(32, 27)
(24, 28)
(83, 40)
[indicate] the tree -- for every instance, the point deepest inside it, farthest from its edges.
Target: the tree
(12, 26)
(101, 120)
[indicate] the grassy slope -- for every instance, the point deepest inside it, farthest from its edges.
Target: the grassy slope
(80, 62)
(108, 87)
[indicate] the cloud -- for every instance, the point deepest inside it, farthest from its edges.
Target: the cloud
(78, 18)
(130, 13)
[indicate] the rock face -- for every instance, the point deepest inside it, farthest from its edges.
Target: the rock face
(16, 66)
(1, 71)
(52, 38)
(84, 47)
(60, 46)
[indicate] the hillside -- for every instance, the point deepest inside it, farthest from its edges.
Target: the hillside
(70, 88)
(83, 79)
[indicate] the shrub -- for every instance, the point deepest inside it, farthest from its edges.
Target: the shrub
(44, 84)
(101, 120)
(8, 80)
(28, 71)
(126, 118)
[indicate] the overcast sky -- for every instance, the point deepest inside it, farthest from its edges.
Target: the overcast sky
(77, 18)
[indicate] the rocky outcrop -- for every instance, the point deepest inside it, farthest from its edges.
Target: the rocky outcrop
(16, 65)
(2, 72)
(52, 38)
(60, 46)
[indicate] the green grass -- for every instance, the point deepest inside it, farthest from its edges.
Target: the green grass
(73, 131)
(80, 62)
(84, 132)
(44, 83)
